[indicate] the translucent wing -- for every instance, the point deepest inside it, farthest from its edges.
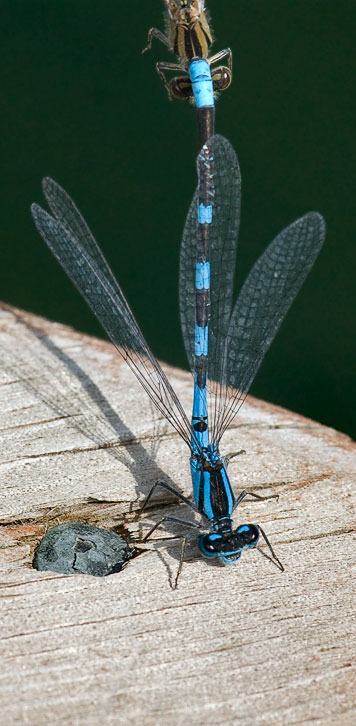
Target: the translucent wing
(223, 234)
(262, 304)
(239, 339)
(75, 248)
(64, 209)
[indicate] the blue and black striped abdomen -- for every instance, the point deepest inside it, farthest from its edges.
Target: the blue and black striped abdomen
(202, 297)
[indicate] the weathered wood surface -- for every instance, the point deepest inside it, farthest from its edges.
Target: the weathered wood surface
(246, 644)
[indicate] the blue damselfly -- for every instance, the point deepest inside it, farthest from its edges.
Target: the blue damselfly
(225, 343)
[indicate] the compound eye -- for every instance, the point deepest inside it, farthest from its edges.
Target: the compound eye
(211, 541)
(181, 88)
(221, 78)
(249, 533)
(209, 544)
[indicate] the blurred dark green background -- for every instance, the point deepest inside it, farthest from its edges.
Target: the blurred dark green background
(79, 102)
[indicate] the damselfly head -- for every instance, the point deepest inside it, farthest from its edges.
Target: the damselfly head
(184, 11)
(228, 546)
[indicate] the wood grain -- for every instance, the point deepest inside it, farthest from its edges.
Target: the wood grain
(247, 644)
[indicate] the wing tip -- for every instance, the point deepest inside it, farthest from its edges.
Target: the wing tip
(317, 221)
(48, 183)
(312, 219)
(35, 211)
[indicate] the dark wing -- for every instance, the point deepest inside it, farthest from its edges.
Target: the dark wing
(223, 234)
(262, 304)
(75, 248)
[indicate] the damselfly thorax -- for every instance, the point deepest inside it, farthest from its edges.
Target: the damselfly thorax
(188, 35)
(189, 31)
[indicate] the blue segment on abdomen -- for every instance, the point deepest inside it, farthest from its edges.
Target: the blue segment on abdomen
(201, 340)
(199, 402)
(200, 76)
(205, 214)
(202, 276)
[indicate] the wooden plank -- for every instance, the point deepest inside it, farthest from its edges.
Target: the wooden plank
(244, 644)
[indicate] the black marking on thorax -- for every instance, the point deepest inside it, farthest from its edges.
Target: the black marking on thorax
(191, 41)
(218, 496)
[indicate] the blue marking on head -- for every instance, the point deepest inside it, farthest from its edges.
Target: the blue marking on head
(200, 76)
(201, 340)
(202, 276)
(205, 214)
(207, 546)
(243, 528)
